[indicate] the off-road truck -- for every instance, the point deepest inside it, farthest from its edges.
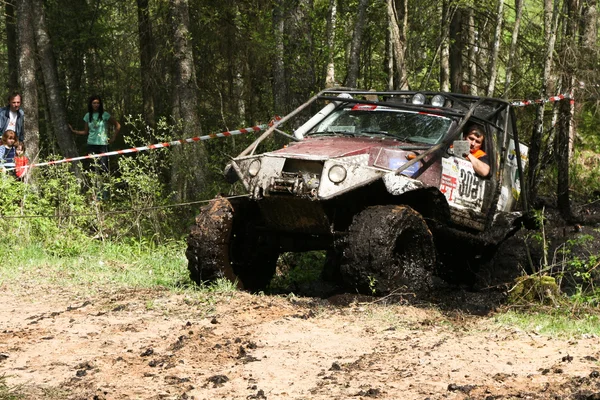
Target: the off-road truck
(378, 180)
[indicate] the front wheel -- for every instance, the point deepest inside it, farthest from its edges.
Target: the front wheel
(225, 242)
(388, 247)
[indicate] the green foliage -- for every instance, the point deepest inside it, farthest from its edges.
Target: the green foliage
(584, 175)
(8, 392)
(222, 286)
(296, 269)
(530, 289)
(561, 322)
(99, 264)
(373, 285)
(572, 272)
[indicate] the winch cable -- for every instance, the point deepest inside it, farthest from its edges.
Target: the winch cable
(95, 214)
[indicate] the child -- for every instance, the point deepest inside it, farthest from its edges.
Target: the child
(21, 161)
(7, 149)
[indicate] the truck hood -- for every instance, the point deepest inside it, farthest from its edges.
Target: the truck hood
(333, 147)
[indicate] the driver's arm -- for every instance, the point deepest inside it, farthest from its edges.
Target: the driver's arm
(480, 167)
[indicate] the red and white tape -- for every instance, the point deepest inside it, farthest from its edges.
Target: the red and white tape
(524, 103)
(252, 129)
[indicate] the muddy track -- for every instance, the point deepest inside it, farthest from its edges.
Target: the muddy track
(157, 345)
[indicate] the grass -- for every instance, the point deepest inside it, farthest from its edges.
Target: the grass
(101, 266)
(97, 267)
(100, 263)
(559, 322)
(7, 392)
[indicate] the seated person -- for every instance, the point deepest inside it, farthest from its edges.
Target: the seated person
(479, 159)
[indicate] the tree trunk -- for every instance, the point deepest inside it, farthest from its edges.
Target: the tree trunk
(279, 81)
(359, 27)
(11, 47)
(570, 63)
(445, 47)
(389, 60)
(562, 157)
(29, 101)
(56, 104)
(187, 174)
(472, 38)
(146, 51)
(330, 34)
(455, 52)
(589, 33)
(550, 23)
(513, 47)
(493, 71)
(398, 21)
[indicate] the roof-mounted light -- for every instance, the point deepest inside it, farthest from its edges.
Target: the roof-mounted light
(438, 100)
(418, 98)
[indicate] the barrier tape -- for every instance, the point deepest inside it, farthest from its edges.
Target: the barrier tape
(524, 103)
(252, 129)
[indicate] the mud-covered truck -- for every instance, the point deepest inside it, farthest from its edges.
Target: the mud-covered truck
(378, 180)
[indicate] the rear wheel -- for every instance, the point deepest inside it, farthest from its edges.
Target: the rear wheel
(388, 247)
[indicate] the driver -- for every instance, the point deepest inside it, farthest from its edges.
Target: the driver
(479, 159)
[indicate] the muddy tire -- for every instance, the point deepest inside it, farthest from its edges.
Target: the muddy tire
(389, 247)
(224, 242)
(209, 242)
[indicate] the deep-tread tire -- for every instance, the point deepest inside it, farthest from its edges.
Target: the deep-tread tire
(389, 247)
(224, 242)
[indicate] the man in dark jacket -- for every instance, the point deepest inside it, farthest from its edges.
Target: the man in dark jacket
(12, 116)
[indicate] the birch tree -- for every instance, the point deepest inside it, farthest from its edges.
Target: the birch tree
(279, 81)
(445, 47)
(472, 61)
(512, 54)
(398, 21)
(493, 66)
(330, 35)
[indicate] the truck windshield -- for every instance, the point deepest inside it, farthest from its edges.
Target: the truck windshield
(404, 125)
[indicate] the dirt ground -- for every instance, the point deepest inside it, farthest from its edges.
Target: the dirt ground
(146, 344)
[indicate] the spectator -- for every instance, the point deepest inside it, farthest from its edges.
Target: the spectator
(12, 116)
(21, 161)
(7, 149)
(97, 123)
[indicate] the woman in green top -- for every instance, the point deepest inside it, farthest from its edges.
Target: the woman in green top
(97, 123)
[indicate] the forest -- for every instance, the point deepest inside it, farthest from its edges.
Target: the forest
(175, 69)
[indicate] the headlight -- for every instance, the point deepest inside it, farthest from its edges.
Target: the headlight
(418, 98)
(337, 174)
(254, 168)
(438, 100)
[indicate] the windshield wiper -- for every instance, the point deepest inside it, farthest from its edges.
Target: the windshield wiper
(331, 133)
(385, 133)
